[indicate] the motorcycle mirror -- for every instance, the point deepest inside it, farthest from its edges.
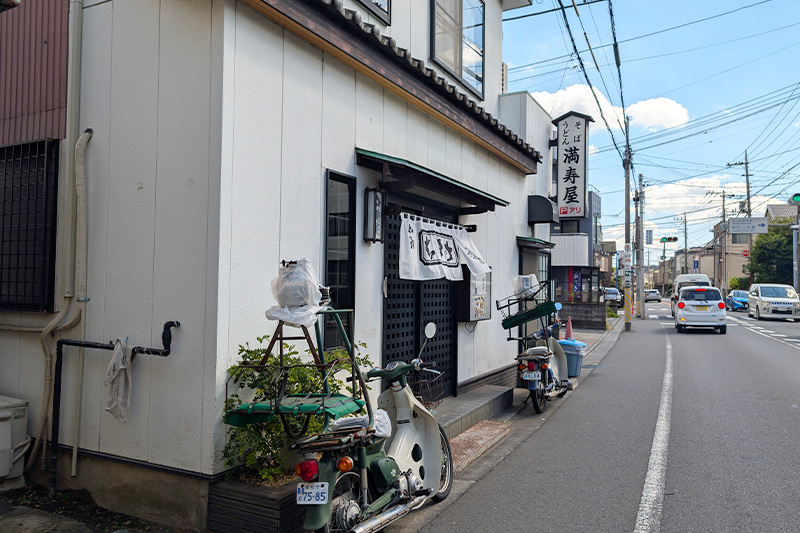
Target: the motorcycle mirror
(430, 330)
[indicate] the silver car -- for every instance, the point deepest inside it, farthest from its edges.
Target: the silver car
(773, 300)
(652, 295)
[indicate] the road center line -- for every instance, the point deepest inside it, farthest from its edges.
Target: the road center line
(652, 503)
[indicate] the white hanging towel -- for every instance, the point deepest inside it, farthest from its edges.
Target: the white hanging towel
(119, 382)
(434, 251)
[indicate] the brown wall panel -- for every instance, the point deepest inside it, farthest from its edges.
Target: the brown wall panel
(34, 39)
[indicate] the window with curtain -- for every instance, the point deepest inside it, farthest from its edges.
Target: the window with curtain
(457, 40)
(340, 244)
(738, 238)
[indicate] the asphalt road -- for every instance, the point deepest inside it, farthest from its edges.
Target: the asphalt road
(673, 432)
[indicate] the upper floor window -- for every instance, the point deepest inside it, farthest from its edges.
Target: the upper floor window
(457, 40)
(380, 8)
(738, 238)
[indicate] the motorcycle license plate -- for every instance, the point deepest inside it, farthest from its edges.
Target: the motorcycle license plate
(312, 493)
(532, 376)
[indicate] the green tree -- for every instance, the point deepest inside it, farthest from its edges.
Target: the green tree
(771, 257)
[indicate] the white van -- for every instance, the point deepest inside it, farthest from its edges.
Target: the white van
(686, 280)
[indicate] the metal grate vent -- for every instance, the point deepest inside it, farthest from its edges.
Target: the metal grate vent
(28, 187)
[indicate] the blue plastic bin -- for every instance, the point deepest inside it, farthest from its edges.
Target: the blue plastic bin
(575, 351)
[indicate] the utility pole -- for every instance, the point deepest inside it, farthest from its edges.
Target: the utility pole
(640, 251)
(685, 245)
(749, 210)
(627, 163)
(724, 233)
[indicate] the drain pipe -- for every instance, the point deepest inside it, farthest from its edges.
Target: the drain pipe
(80, 271)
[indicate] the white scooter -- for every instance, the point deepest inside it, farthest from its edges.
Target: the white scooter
(359, 476)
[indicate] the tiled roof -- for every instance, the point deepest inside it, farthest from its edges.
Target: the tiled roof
(388, 46)
(780, 211)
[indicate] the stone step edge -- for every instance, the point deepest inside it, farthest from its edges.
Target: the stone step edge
(469, 445)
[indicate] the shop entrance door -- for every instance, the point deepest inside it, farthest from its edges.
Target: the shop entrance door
(409, 305)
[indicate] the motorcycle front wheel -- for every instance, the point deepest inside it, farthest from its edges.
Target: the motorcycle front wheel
(345, 504)
(446, 477)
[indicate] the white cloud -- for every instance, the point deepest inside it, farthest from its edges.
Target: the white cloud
(652, 114)
(657, 113)
(579, 98)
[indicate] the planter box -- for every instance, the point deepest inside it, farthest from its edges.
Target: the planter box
(235, 506)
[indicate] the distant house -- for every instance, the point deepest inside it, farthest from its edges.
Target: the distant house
(780, 212)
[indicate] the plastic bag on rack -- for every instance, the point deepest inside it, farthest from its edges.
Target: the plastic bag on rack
(525, 286)
(296, 289)
(383, 424)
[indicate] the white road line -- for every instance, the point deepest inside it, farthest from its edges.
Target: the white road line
(778, 335)
(795, 346)
(652, 503)
(766, 330)
(793, 340)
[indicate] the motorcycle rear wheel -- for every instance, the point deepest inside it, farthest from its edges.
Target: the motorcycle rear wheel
(539, 398)
(446, 477)
(346, 491)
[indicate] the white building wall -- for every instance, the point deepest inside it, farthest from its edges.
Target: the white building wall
(213, 129)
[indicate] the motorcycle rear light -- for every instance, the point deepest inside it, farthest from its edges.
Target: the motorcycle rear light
(308, 470)
(721, 305)
(681, 305)
(345, 464)
(522, 366)
(531, 365)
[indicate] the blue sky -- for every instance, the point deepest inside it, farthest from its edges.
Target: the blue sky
(698, 94)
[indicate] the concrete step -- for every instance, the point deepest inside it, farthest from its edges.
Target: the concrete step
(457, 415)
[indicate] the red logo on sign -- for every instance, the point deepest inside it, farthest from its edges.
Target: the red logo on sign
(745, 253)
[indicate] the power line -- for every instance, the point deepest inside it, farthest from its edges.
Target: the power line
(589, 83)
(646, 35)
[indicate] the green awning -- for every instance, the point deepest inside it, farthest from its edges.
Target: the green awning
(533, 243)
(402, 175)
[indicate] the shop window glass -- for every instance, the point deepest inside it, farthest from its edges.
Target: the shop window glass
(340, 253)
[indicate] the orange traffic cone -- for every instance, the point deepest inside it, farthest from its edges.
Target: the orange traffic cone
(568, 333)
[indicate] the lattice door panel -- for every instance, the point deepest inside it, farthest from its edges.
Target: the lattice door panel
(409, 305)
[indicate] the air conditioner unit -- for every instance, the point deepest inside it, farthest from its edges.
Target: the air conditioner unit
(14, 441)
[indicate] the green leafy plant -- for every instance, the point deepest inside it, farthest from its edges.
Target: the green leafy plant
(611, 312)
(261, 448)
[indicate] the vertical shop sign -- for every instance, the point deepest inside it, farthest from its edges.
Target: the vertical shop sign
(571, 167)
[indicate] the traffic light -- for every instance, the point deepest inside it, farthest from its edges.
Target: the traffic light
(669, 239)
(795, 199)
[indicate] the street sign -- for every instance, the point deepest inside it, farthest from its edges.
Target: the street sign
(626, 257)
(648, 236)
(745, 253)
(748, 225)
(628, 276)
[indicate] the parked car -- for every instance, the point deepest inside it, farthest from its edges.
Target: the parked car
(773, 300)
(700, 306)
(736, 301)
(613, 297)
(652, 295)
(686, 280)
